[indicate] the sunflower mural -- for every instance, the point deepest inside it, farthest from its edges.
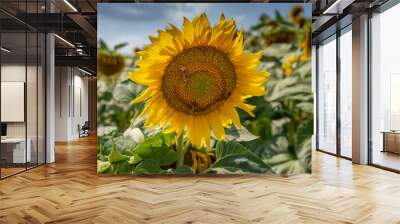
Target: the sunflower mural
(206, 98)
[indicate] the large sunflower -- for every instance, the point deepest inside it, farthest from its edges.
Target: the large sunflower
(197, 77)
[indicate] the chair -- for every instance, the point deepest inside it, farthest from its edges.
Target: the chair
(84, 130)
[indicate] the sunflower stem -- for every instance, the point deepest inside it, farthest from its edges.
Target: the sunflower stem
(180, 151)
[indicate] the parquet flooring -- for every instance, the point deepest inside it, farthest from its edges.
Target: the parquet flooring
(11, 170)
(70, 191)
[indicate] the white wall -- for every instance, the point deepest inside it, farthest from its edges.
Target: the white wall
(61, 103)
(70, 83)
(80, 109)
(13, 73)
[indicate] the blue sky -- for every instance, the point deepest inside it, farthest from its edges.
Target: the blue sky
(134, 22)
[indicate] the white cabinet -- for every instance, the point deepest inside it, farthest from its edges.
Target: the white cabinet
(19, 155)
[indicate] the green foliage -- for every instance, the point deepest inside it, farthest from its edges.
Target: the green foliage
(232, 157)
(239, 134)
(102, 167)
(155, 155)
(113, 103)
(102, 46)
(184, 170)
(284, 116)
(277, 140)
(158, 150)
(148, 167)
(115, 156)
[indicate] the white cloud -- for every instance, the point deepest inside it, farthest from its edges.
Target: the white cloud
(133, 41)
(197, 7)
(130, 10)
(188, 10)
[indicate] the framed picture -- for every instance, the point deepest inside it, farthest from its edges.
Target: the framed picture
(204, 88)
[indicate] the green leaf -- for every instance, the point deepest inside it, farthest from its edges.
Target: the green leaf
(124, 145)
(302, 97)
(104, 131)
(306, 107)
(103, 45)
(157, 150)
(169, 158)
(234, 157)
(135, 159)
(229, 148)
(261, 148)
(304, 154)
(119, 46)
(277, 125)
(154, 147)
(123, 93)
(148, 167)
(152, 153)
(304, 69)
(122, 168)
(239, 134)
(287, 87)
(115, 156)
(168, 138)
(134, 134)
(305, 130)
(241, 163)
(102, 167)
(278, 16)
(285, 163)
(184, 170)
(155, 141)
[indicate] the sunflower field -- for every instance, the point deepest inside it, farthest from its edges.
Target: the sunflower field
(197, 130)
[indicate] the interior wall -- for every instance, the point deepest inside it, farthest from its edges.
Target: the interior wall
(71, 102)
(92, 100)
(16, 72)
(62, 81)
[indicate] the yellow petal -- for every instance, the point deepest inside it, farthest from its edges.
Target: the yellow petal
(216, 126)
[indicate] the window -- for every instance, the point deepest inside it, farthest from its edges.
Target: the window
(327, 95)
(385, 89)
(346, 92)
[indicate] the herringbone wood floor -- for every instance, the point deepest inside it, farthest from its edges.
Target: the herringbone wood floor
(69, 191)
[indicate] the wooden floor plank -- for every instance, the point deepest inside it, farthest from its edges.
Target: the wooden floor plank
(70, 191)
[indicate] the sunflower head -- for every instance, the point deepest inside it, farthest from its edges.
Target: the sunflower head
(306, 44)
(110, 64)
(196, 77)
(288, 65)
(295, 12)
(279, 36)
